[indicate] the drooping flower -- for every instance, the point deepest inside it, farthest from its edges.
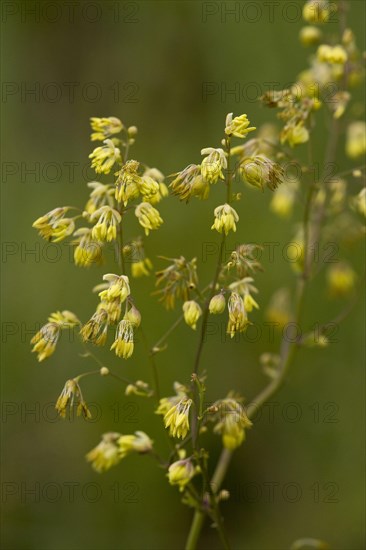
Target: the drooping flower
(105, 228)
(105, 127)
(279, 308)
(359, 202)
(53, 226)
(260, 171)
(45, 340)
(118, 287)
(238, 320)
(294, 134)
(213, 164)
(106, 454)
(356, 139)
(310, 35)
(128, 181)
(332, 54)
(95, 330)
(341, 279)
(181, 472)
(139, 442)
(177, 418)
(148, 217)
(178, 279)
(316, 11)
(284, 198)
(166, 403)
(105, 157)
(88, 251)
(217, 304)
(232, 423)
(225, 219)
(123, 343)
(72, 393)
(192, 312)
(190, 183)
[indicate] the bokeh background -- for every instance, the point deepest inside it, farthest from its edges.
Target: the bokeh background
(301, 471)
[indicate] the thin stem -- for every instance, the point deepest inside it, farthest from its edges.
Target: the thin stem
(161, 340)
(215, 510)
(206, 307)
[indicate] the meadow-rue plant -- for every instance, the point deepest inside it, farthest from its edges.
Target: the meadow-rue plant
(132, 191)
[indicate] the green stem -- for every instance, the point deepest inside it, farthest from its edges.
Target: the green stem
(166, 334)
(195, 530)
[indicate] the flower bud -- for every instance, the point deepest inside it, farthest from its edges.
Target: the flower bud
(310, 35)
(192, 312)
(217, 304)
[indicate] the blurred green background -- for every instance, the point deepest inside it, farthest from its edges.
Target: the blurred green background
(301, 471)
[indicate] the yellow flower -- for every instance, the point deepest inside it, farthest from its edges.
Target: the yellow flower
(249, 303)
(138, 443)
(134, 316)
(106, 454)
(158, 177)
(141, 268)
(284, 198)
(238, 126)
(69, 394)
(95, 330)
(310, 35)
(105, 127)
(101, 195)
(316, 11)
(339, 103)
(65, 318)
(166, 403)
(359, 202)
(356, 139)
(225, 219)
(332, 54)
(118, 288)
(128, 181)
(212, 165)
(44, 342)
(108, 220)
(148, 217)
(177, 418)
(104, 157)
(149, 189)
(53, 226)
(279, 308)
(177, 279)
(181, 472)
(123, 344)
(260, 171)
(88, 251)
(232, 424)
(238, 320)
(341, 279)
(294, 134)
(190, 183)
(217, 304)
(192, 312)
